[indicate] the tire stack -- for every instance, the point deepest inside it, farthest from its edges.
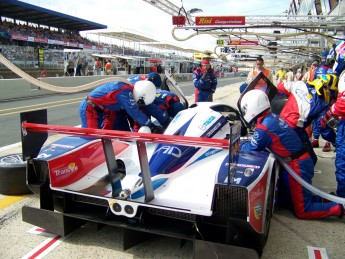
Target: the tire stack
(13, 175)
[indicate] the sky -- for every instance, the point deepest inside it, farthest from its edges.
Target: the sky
(139, 17)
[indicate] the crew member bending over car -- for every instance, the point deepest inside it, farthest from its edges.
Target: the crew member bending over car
(306, 102)
(205, 82)
(335, 118)
(166, 101)
(108, 105)
(272, 132)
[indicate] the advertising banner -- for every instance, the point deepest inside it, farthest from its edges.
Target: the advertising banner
(220, 20)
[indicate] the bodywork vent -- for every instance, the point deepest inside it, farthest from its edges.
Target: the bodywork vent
(230, 202)
(172, 214)
(90, 200)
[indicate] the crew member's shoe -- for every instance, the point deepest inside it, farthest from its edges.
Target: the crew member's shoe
(327, 147)
(315, 143)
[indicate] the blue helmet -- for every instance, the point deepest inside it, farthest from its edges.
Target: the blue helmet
(155, 78)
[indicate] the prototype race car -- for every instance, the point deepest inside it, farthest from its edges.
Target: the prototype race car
(192, 182)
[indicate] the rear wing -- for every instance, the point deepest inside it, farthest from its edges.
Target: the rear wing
(35, 134)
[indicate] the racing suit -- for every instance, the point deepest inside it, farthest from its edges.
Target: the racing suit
(106, 105)
(321, 70)
(169, 102)
(302, 107)
(274, 133)
(338, 110)
(205, 84)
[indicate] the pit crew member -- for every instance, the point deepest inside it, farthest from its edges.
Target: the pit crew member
(205, 82)
(306, 102)
(335, 117)
(272, 132)
(112, 101)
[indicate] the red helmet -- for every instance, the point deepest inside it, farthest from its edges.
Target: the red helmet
(205, 62)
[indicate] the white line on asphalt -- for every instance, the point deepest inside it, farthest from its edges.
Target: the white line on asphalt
(10, 146)
(46, 246)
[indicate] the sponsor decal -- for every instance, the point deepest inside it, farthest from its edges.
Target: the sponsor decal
(70, 168)
(248, 172)
(245, 165)
(257, 193)
(216, 127)
(211, 152)
(237, 180)
(258, 210)
(62, 146)
(220, 20)
(206, 123)
(170, 150)
(302, 95)
(43, 155)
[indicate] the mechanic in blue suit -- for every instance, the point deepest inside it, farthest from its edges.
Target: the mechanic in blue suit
(317, 130)
(108, 105)
(165, 100)
(272, 132)
(205, 82)
(335, 118)
(168, 101)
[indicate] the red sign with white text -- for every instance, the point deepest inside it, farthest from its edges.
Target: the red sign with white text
(244, 42)
(220, 20)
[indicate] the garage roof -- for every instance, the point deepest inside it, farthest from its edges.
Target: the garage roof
(126, 36)
(170, 47)
(35, 14)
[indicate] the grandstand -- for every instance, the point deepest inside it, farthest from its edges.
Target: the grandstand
(34, 38)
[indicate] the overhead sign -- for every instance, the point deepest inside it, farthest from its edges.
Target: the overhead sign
(220, 42)
(179, 20)
(244, 42)
(220, 20)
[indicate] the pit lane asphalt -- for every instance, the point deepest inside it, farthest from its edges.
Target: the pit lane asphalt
(288, 238)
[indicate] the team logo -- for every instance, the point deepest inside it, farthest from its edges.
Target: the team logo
(258, 210)
(71, 168)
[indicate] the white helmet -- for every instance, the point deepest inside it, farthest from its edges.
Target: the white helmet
(144, 92)
(341, 83)
(253, 103)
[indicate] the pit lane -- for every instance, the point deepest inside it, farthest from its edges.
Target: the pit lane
(288, 238)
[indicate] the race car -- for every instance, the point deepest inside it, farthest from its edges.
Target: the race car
(192, 182)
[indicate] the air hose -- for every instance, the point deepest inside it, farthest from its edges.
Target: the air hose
(308, 186)
(54, 88)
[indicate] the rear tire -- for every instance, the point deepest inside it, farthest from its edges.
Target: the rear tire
(13, 175)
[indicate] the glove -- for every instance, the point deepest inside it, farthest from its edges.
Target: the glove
(156, 129)
(206, 74)
(333, 122)
(329, 120)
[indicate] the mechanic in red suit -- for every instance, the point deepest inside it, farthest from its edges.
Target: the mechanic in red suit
(272, 132)
(306, 102)
(108, 105)
(335, 118)
(205, 82)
